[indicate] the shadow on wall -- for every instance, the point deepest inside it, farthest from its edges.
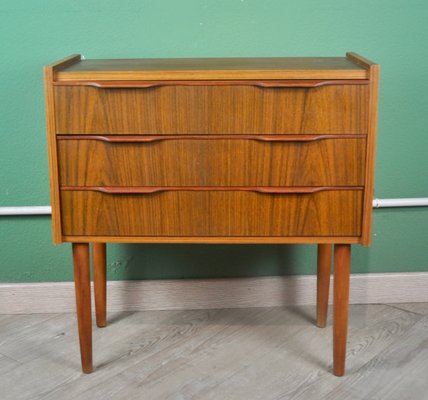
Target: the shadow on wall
(185, 261)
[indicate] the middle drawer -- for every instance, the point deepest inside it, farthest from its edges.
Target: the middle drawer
(304, 160)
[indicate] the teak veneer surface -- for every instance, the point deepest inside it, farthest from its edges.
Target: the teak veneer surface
(213, 68)
(204, 162)
(212, 213)
(332, 109)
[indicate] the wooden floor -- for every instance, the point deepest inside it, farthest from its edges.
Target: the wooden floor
(253, 353)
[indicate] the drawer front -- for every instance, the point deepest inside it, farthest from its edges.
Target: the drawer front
(211, 213)
(234, 109)
(178, 161)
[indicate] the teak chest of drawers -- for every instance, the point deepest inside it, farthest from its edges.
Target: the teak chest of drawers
(233, 150)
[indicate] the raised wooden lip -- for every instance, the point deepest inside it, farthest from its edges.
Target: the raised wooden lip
(62, 76)
(259, 138)
(282, 83)
(257, 189)
(360, 60)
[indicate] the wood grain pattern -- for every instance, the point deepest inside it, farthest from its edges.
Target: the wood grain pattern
(399, 372)
(52, 156)
(370, 155)
(212, 239)
(213, 69)
(64, 63)
(266, 83)
(161, 138)
(360, 60)
(205, 162)
(417, 308)
(49, 71)
(82, 282)
(342, 267)
(118, 190)
(323, 282)
(373, 71)
(212, 213)
(280, 348)
(190, 110)
(99, 268)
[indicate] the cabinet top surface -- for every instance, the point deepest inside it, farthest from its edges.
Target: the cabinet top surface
(211, 68)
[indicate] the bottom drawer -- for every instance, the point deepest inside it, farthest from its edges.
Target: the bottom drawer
(211, 213)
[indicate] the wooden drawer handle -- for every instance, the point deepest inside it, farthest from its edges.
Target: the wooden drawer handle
(286, 83)
(257, 189)
(158, 138)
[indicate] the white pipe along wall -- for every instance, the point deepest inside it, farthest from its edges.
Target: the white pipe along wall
(30, 210)
(377, 203)
(412, 202)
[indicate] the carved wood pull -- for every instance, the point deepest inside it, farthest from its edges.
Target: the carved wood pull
(158, 138)
(297, 83)
(257, 189)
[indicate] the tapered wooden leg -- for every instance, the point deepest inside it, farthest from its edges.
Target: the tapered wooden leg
(323, 282)
(342, 267)
(82, 282)
(100, 282)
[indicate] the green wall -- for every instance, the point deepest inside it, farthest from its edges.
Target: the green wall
(36, 32)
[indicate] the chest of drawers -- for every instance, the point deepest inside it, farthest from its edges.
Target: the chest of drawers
(245, 150)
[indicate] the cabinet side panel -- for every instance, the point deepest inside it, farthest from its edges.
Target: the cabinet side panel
(371, 155)
(52, 154)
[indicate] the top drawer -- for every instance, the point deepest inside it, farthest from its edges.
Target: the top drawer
(212, 109)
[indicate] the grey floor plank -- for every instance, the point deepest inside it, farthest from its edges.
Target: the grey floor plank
(304, 360)
(398, 373)
(137, 339)
(45, 351)
(11, 325)
(30, 380)
(32, 340)
(158, 363)
(418, 308)
(262, 353)
(371, 330)
(189, 373)
(7, 364)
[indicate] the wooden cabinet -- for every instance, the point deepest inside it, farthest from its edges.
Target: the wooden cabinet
(239, 150)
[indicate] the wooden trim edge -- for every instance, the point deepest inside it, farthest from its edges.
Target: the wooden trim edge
(67, 76)
(214, 239)
(49, 77)
(64, 62)
(370, 155)
(143, 138)
(273, 83)
(359, 60)
(52, 154)
(58, 297)
(257, 189)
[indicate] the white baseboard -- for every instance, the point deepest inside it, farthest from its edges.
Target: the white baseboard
(23, 298)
